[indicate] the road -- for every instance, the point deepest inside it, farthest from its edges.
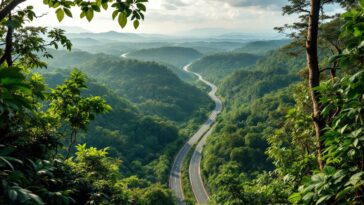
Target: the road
(124, 55)
(175, 182)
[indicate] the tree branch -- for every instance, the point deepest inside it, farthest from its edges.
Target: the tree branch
(9, 46)
(8, 8)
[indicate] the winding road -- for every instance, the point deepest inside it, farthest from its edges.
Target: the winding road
(198, 187)
(175, 182)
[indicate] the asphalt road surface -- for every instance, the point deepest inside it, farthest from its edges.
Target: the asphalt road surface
(198, 187)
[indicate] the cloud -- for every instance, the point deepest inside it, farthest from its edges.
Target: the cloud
(173, 4)
(257, 3)
(174, 16)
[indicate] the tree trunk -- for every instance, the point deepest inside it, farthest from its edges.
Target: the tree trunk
(9, 45)
(9, 6)
(314, 75)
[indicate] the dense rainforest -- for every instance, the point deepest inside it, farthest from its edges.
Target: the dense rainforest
(273, 144)
(53, 147)
(88, 119)
(176, 56)
(215, 66)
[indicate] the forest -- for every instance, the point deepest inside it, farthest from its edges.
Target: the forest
(101, 118)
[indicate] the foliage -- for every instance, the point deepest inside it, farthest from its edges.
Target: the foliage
(255, 103)
(216, 66)
(66, 103)
(162, 93)
(342, 179)
(176, 56)
(29, 138)
(262, 47)
(138, 139)
(123, 10)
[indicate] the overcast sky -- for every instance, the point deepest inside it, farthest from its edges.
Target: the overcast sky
(173, 16)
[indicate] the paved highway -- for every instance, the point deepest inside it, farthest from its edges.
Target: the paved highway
(197, 184)
(198, 187)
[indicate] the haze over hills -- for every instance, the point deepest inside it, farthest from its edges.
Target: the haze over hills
(262, 47)
(209, 35)
(176, 56)
(178, 102)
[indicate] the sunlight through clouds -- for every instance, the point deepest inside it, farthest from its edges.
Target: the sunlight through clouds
(175, 16)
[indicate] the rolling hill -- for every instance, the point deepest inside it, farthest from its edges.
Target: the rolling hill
(217, 66)
(262, 47)
(176, 56)
(132, 135)
(152, 86)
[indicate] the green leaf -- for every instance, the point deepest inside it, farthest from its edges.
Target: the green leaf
(89, 14)
(295, 198)
(114, 14)
(361, 2)
(329, 170)
(105, 6)
(355, 178)
(95, 8)
(343, 193)
(36, 199)
(68, 12)
(308, 196)
(136, 24)
(60, 14)
(82, 14)
(122, 20)
(7, 162)
(13, 195)
(323, 199)
(141, 7)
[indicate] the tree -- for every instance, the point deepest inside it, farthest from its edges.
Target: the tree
(76, 111)
(341, 181)
(31, 168)
(23, 44)
(311, 14)
(314, 74)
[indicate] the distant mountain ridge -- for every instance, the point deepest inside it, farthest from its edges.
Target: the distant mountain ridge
(152, 86)
(176, 56)
(262, 47)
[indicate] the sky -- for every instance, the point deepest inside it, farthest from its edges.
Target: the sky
(181, 16)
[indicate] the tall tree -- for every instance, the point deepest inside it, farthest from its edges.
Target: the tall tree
(314, 74)
(311, 15)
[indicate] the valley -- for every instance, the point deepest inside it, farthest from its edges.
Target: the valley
(200, 104)
(167, 100)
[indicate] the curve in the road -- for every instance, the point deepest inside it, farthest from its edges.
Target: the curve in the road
(175, 182)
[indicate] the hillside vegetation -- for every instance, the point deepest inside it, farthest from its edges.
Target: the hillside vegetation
(152, 86)
(255, 101)
(290, 132)
(262, 47)
(217, 66)
(176, 56)
(133, 136)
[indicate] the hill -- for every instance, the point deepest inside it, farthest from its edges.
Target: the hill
(262, 47)
(176, 56)
(211, 47)
(215, 67)
(256, 101)
(152, 86)
(110, 35)
(135, 137)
